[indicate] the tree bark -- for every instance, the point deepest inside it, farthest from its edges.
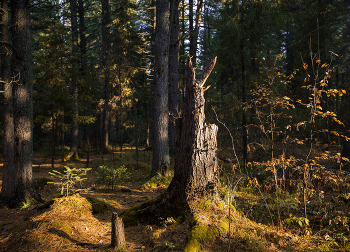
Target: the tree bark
(161, 161)
(174, 48)
(106, 70)
(117, 234)
(196, 163)
(196, 171)
(21, 188)
(8, 168)
(75, 128)
(151, 108)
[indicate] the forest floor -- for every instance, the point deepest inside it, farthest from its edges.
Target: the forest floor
(82, 221)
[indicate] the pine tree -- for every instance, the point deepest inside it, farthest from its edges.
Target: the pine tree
(20, 188)
(161, 161)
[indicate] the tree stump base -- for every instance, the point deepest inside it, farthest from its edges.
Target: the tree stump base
(196, 163)
(117, 235)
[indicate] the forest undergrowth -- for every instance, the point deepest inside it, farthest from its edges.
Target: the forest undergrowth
(260, 218)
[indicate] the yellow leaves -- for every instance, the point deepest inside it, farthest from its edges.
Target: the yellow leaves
(299, 124)
(337, 121)
(334, 133)
(340, 93)
(262, 128)
(305, 66)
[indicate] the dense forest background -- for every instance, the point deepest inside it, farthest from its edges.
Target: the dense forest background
(93, 70)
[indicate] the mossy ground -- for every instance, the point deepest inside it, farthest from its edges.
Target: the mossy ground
(82, 222)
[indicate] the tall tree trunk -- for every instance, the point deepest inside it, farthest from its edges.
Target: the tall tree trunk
(243, 73)
(21, 188)
(106, 70)
(83, 68)
(346, 144)
(83, 64)
(151, 112)
(9, 172)
(173, 73)
(161, 161)
(75, 129)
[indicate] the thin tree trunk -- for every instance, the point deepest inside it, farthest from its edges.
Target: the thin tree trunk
(174, 74)
(194, 31)
(62, 139)
(75, 128)
(53, 142)
(244, 120)
(192, 50)
(106, 70)
(346, 144)
(161, 161)
(151, 112)
(196, 28)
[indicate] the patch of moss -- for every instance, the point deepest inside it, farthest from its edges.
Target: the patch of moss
(200, 234)
(130, 217)
(223, 192)
(98, 206)
(223, 227)
(204, 205)
(62, 226)
(221, 205)
(180, 219)
(195, 220)
(158, 181)
(74, 204)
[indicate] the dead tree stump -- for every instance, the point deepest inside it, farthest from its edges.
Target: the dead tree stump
(118, 236)
(196, 163)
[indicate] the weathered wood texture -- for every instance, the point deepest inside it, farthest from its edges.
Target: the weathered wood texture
(196, 163)
(118, 235)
